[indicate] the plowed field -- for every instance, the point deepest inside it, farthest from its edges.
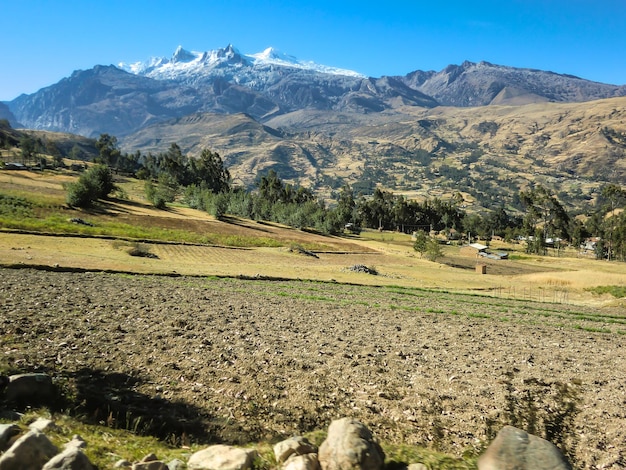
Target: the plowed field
(243, 360)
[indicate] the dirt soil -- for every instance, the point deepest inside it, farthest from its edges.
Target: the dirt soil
(231, 360)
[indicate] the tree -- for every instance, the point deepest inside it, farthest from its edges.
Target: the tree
(346, 204)
(209, 169)
(614, 196)
(174, 163)
(421, 242)
(271, 188)
(433, 249)
(96, 183)
(108, 151)
(545, 216)
(165, 190)
(27, 146)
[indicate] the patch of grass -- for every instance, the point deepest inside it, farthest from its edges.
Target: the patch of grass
(478, 315)
(106, 445)
(401, 455)
(616, 291)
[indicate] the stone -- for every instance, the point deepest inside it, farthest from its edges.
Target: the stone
(150, 462)
(176, 464)
(77, 442)
(350, 445)
(30, 389)
(70, 459)
(8, 435)
(122, 463)
(31, 451)
(514, 449)
(293, 446)
(302, 462)
(151, 465)
(417, 466)
(222, 457)
(11, 415)
(42, 424)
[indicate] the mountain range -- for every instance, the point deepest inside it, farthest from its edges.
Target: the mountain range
(122, 99)
(322, 126)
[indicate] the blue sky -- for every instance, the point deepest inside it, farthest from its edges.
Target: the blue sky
(45, 40)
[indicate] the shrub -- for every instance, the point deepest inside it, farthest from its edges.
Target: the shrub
(96, 183)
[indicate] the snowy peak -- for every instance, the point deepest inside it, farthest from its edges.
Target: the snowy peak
(191, 65)
(181, 55)
(271, 55)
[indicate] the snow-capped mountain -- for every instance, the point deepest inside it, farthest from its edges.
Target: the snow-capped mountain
(227, 62)
(122, 99)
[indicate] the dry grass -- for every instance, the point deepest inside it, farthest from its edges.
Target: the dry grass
(391, 253)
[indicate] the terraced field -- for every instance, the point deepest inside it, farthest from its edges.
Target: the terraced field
(224, 359)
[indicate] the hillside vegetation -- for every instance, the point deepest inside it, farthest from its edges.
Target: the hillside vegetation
(437, 354)
(486, 153)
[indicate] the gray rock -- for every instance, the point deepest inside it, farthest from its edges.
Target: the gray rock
(70, 459)
(293, 446)
(152, 465)
(350, 445)
(222, 457)
(29, 452)
(302, 462)
(10, 415)
(514, 449)
(150, 462)
(417, 466)
(8, 433)
(30, 389)
(176, 464)
(77, 442)
(42, 424)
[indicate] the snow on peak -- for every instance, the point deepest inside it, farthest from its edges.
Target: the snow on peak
(275, 57)
(271, 55)
(186, 64)
(181, 55)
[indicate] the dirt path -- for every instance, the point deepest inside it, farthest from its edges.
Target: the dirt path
(237, 361)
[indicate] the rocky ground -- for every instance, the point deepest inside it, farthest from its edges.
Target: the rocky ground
(234, 360)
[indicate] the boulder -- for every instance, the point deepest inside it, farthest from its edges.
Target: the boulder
(302, 462)
(30, 389)
(149, 462)
(8, 433)
(77, 442)
(71, 458)
(222, 457)
(350, 445)
(293, 446)
(29, 452)
(176, 464)
(152, 465)
(514, 449)
(42, 424)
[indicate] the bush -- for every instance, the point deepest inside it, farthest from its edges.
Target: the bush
(96, 183)
(165, 191)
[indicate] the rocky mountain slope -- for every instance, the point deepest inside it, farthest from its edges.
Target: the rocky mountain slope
(482, 84)
(482, 129)
(486, 153)
(121, 100)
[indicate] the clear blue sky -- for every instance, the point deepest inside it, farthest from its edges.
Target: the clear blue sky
(46, 40)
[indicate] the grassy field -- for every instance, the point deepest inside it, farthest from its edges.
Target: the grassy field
(126, 235)
(38, 229)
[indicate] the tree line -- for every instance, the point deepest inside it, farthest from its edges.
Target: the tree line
(204, 183)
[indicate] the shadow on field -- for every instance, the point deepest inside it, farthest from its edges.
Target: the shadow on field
(110, 398)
